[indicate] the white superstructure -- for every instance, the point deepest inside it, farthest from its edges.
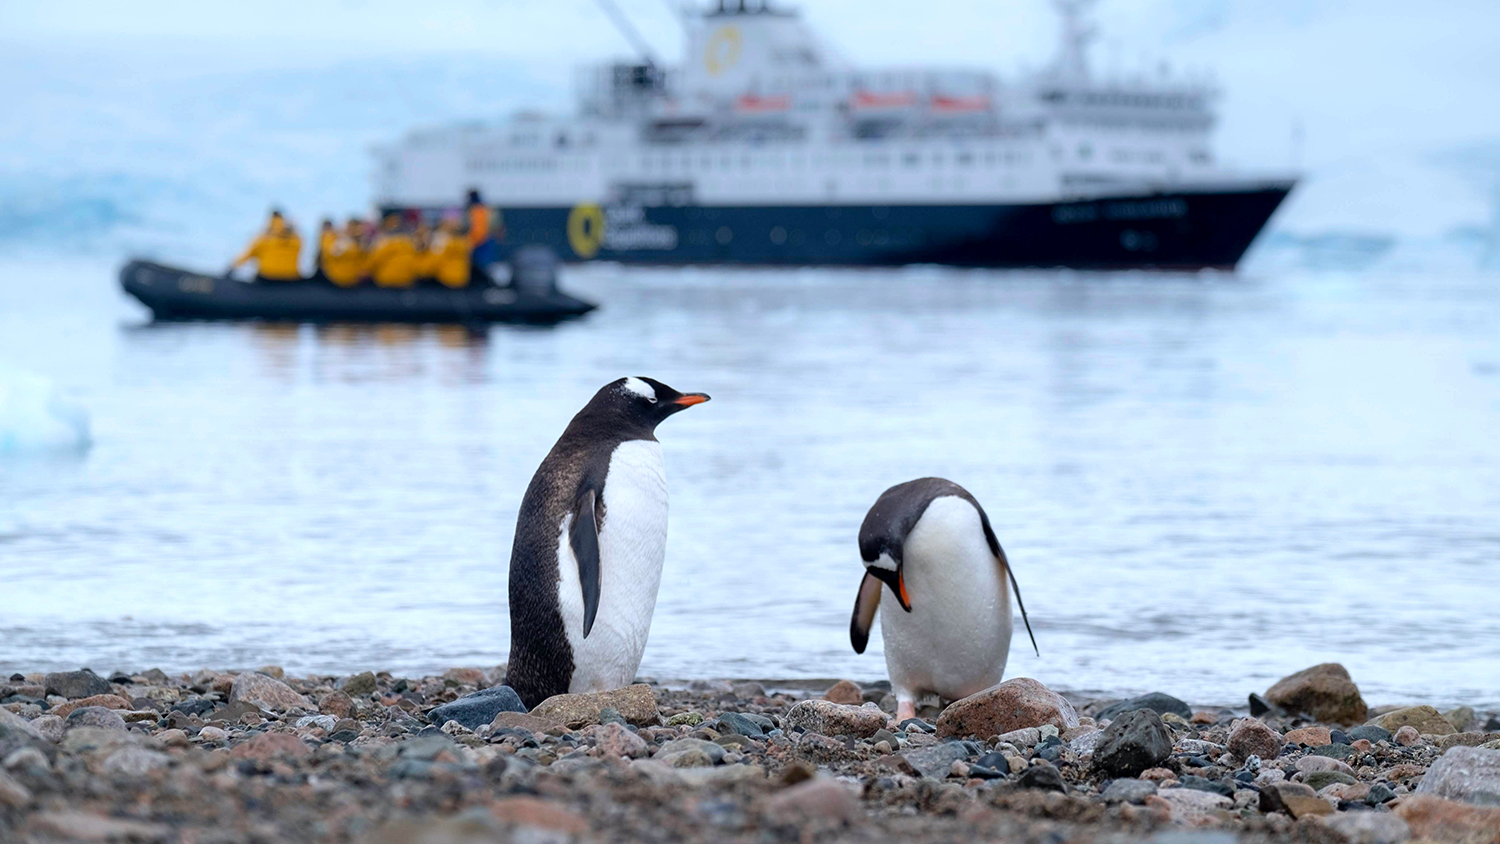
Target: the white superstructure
(760, 113)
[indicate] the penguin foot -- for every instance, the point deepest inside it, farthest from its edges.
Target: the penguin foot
(905, 709)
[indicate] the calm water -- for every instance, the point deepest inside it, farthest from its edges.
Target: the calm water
(1203, 482)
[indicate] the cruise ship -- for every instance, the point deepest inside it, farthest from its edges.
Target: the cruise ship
(764, 148)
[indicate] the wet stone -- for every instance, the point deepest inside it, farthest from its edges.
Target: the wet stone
(736, 724)
(479, 708)
(95, 716)
(1043, 777)
(1198, 783)
(935, 761)
(76, 684)
(1157, 702)
(1132, 743)
(1128, 790)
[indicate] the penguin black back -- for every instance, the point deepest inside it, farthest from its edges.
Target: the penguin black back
(571, 481)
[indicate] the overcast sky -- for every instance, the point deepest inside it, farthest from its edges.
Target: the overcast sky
(1363, 78)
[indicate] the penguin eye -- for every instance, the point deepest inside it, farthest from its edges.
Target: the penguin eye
(651, 399)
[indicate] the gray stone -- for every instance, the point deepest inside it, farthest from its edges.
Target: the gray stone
(1157, 702)
(266, 692)
(1319, 780)
(134, 761)
(1129, 790)
(358, 685)
(1086, 744)
(324, 722)
(76, 684)
(479, 708)
(637, 703)
(95, 716)
(1325, 692)
(1467, 774)
(714, 752)
(734, 723)
(1332, 751)
(937, 760)
(1370, 733)
(1132, 743)
(1367, 827)
(1044, 777)
(836, 719)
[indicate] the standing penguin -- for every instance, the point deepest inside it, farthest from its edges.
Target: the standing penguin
(590, 540)
(931, 542)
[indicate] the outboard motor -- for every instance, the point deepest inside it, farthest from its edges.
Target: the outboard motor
(533, 270)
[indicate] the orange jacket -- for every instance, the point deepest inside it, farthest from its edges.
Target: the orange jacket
(479, 225)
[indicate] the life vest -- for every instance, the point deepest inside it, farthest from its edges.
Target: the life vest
(393, 263)
(452, 253)
(275, 256)
(344, 261)
(479, 225)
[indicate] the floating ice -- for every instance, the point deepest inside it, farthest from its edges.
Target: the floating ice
(33, 417)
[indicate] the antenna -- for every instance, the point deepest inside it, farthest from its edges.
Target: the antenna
(623, 24)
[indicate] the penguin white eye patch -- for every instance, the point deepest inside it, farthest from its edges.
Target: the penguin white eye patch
(640, 388)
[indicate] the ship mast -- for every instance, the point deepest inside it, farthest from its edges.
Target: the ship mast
(1072, 56)
(628, 30)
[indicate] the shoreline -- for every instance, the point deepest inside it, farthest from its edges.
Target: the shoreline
(262, 756)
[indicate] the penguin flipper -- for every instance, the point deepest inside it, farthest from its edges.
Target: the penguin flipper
(994, 543)
(865, 605)
(584, 539)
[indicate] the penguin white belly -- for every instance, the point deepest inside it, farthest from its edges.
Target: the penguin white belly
(956, 638)
(632, 547)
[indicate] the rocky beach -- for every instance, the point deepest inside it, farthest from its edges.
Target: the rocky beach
(257, 756)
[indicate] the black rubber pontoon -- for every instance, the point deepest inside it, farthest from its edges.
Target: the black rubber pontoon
(176, 294)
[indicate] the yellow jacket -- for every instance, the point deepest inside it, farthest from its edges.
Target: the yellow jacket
(275, 256)
(452, 254)
(393, 262)
(344, 261)
(427, 261)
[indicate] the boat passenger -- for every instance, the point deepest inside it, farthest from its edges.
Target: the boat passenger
(393, 261)
(275, 252)
(344, 262)
(426, 258)
(327, 235)
(483, 247)
(452, 250)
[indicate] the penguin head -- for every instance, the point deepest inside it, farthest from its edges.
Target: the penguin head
(641, 403)
(890, 570)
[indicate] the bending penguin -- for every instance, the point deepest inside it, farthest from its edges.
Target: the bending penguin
(932, 544)
(590, 540)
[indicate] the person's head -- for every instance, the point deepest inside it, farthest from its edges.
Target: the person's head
(449, 223)
(391, 223)
(474, 197)
(278, 222)
(327, 224)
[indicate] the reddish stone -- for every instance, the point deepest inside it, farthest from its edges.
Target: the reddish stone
(106, 701)
(1012, 705)
(1310, 736)
(1325, 692)
(267, 746)
(1437, 819)
(846, 692)
(336, 704)
(1251, 737)
(535, 812)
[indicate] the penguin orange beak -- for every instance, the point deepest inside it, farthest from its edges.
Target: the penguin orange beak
(690, 399)
(897, 581)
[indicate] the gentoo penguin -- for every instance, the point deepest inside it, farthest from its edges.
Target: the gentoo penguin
(932, 544)
(590, 540)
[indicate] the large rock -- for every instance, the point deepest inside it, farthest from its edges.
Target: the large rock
(1012, 705)
(636, 703)
(478, 708)
(1467, 774)
(1450, 821)
(1251, 737)
(76, 684)
(95, 716)
(266, 692)
(835, 719)
(1326, 692)
(1132, 743)
(1158, 702)
(1424, 719)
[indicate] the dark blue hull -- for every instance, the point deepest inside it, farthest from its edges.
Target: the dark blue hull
(1180, 231)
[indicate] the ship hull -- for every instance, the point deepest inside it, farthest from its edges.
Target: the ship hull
(1187, 230)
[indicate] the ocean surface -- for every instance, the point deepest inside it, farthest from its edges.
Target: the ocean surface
(1204, 482)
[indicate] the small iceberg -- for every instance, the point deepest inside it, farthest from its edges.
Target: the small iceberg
(34, 417)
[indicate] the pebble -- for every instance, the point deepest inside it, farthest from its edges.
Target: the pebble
(1012, 705)
(212, 734)
(95, 716)
(1326, 692)
(479, 708)
(1313, 764)
(1318, 780)
(1194, 808)
(1132, 743)
(618, 741)
(50, 727)
(936, 761)
(819, 797)
(76, 684)
(1251, 737)
(358, 685)
(1309, 736)
(266, 746)
(1371, 733)
(1043, 777)
(1434, 818)
(738, 724)
(1128, 790)
(1026, 737)
(846, 692)
(636, 703)
(1367, 827)
(1157, 702)
(1407, 735)
(835, 719)
(265, 692)
(1424, 719)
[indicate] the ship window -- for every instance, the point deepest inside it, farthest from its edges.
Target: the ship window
(965, 158)
(937, 159)
(706, 162)
(1085, 151)
(911, 159)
